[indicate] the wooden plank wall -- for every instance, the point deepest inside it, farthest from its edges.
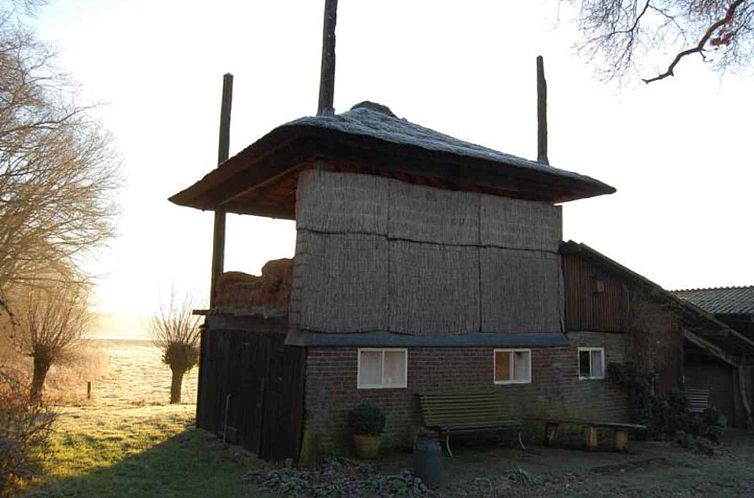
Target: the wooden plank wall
(261, 383)
(594, 299)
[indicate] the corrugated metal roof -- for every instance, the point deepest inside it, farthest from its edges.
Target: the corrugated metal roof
(721, 300)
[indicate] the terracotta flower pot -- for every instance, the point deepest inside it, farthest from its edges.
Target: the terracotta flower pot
(367, 446)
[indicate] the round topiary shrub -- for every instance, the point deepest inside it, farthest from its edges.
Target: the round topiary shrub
(366, 419)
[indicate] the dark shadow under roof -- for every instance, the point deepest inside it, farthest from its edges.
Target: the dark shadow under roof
(370, 139)
(721, 300)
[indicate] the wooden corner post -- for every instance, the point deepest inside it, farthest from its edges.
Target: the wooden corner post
(327, 75)
(223, 151)
(541, 112)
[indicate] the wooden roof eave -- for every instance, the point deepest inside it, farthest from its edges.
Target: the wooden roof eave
(255, 164)
(528, 183)
(281, 151)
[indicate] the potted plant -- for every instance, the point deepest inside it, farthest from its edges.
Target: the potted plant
(367, 423)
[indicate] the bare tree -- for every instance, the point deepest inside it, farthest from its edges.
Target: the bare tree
(58, 171)
(628, 33)
(24, 432)
(49, 322)
(175, 330)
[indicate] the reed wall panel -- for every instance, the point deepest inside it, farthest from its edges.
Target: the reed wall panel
(424, 214)
(520, 224)
(342, 203)
(379, 254)
(345, 283)
(520, 290)
(434, 289)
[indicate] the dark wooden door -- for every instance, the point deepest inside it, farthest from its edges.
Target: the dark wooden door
(254, 384)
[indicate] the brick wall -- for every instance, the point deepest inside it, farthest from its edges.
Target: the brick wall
(555, 388)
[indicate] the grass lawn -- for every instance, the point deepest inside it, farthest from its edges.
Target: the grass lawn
(140, 451)
(149, 451)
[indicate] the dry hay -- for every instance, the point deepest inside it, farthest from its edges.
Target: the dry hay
(271, 289)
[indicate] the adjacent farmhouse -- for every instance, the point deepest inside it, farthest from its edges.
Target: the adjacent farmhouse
(725, 382)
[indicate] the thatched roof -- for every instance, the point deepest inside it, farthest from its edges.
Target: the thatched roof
(370, 139)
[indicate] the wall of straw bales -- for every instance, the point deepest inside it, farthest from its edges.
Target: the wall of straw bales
(377, 254)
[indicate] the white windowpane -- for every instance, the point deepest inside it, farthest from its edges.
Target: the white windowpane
(597, 364)
(521, 365)
(370, 368)
(395, 371)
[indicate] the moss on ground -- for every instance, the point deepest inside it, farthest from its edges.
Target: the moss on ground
(144, 451)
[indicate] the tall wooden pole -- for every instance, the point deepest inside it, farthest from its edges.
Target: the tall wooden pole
(327, 74)
(541, 112)
(223, 150)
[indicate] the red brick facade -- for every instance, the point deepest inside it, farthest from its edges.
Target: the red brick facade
(555, 388)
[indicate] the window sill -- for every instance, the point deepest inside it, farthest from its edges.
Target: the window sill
(377, 386)
(504, 382)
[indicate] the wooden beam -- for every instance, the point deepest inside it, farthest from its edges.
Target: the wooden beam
(327, 75)
(279, 162)
(709, 348)
(223, 151)
(541, 112)
(743, 391)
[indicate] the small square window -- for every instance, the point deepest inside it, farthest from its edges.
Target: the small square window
(512, 366)
(591, 363)
(382, 368)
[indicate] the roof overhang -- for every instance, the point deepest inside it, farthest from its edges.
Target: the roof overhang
(261, 180)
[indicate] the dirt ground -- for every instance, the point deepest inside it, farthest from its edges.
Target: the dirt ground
(649, 469)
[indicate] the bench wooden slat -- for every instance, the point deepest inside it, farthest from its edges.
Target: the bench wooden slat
(456, 413)
(698, 399)
(475, 425)
(591, 423)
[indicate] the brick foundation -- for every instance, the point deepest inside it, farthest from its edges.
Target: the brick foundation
(331, 377)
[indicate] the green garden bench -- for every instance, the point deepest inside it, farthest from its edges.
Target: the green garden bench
(464, 413)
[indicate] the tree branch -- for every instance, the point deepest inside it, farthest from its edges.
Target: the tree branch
(699, 48)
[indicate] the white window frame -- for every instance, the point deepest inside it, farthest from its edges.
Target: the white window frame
(578, 363)
(512, 366)
(359, 385)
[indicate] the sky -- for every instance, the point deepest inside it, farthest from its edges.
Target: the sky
(677, 150)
